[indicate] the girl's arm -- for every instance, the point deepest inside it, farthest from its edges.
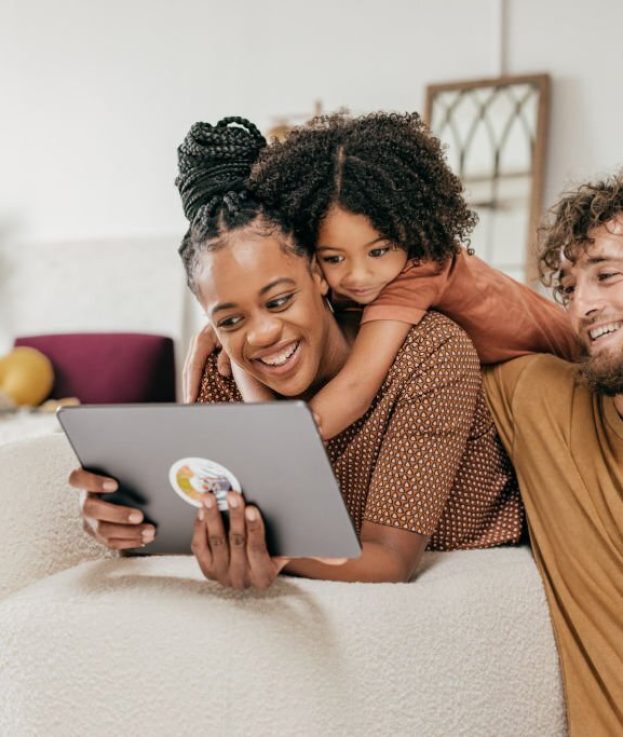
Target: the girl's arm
(347, 397)
(250, 388)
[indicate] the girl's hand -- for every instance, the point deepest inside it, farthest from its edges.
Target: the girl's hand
(201, 346)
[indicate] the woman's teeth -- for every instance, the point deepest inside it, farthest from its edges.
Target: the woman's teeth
(278, 359)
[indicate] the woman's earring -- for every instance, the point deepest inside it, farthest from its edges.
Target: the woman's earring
(329, 305)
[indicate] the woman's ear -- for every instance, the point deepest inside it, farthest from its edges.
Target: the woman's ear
(318, 276)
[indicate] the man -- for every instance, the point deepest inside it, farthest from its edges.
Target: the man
(562, 425)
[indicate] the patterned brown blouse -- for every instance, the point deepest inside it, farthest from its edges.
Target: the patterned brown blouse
(425, 457)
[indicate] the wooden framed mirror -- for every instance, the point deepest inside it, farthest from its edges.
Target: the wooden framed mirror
(495, 132)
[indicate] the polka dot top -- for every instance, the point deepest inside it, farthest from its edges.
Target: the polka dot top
(426, 456)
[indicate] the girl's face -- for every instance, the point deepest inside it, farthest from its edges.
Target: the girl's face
(268, 310)
(356, 260)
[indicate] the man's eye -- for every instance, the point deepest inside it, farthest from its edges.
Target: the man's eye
(378, 252)
(566, 291)
(279, 302)
(227, 323)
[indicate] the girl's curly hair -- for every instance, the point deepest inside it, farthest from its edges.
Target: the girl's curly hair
(572, 218)
(385, 166)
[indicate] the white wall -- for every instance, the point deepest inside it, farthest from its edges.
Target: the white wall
(96, 97)
(580, 45)
(99, 95)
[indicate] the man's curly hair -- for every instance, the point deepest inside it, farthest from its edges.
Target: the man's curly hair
(572, 218)
(385, 166)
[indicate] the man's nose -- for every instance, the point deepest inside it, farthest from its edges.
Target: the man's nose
(264, 330)
(587, 299)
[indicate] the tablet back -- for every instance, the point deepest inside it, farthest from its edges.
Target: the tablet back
(166, 456)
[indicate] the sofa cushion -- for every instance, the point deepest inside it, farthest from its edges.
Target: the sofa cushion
(147, 647)
(40, 526)
(108, 368)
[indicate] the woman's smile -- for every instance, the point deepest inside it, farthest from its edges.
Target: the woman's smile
(279, 360)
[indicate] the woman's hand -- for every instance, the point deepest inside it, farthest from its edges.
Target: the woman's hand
(112, 525)
(201, 346)
(238, 558)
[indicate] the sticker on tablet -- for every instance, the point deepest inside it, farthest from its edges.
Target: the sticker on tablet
(191, 478)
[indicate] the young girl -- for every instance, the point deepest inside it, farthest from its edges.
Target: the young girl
(386, 218)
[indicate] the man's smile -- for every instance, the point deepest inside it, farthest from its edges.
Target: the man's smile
(598, 332)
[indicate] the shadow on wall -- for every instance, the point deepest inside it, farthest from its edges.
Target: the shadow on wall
(8, 234)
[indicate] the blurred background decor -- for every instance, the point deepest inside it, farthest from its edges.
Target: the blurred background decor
(26, 378)
(281, 124)
(495, 131)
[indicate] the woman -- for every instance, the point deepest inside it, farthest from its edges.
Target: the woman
(423, 466)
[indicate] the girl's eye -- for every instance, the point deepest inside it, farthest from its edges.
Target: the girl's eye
(332, 259)
(378, 252)
(227, 323)
(280, 302)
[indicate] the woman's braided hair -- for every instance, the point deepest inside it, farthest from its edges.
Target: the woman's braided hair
(385, 166)
(214, 162)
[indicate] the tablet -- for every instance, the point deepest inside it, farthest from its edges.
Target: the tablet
(166, 456)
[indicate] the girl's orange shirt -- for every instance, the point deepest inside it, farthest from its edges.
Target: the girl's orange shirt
(504, 318)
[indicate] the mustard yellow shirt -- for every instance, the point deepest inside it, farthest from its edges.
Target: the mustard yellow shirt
(566, 444)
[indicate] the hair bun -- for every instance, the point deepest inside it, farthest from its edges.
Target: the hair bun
(215, 160)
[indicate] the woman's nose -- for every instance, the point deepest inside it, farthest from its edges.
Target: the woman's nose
(264, 331)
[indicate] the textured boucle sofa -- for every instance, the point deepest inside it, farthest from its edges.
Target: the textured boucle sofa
(95, 645)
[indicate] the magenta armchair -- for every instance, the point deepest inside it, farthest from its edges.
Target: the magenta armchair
(109, 368)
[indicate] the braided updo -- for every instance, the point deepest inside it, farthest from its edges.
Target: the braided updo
(214, 163)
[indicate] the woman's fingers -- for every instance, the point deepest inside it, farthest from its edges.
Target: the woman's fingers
(134, 536)
(199, 545)
(238, 564)
(81, 479)
(262, 568)
(96, 508)
(216, 539)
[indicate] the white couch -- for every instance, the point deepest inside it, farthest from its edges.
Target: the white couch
(94, 645)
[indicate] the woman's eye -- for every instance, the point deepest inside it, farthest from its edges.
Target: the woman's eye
(378, 252)
(332, 259)
(228, 322)
(280, 302)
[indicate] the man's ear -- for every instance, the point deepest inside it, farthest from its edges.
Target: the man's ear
(318, 276)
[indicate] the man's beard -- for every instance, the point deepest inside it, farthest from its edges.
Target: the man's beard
(602, 374)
